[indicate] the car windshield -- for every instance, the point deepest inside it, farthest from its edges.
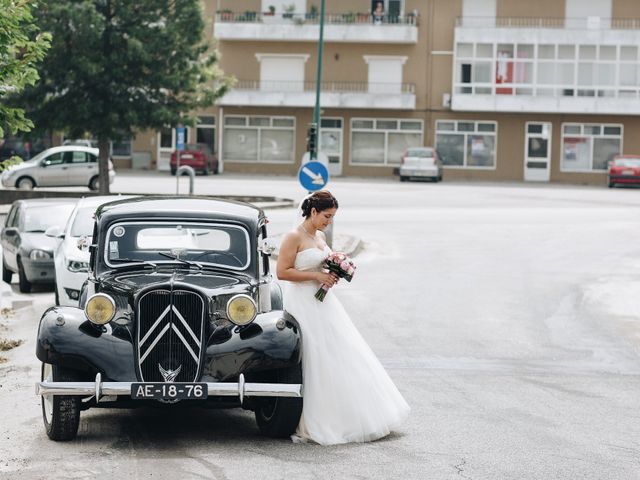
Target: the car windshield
(83, 222)
(420, 152)
(167, 242)
(627, 162)
(39, 218)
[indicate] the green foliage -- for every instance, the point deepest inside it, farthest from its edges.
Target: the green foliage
(117, 66)
(21, 47)
(10, 162)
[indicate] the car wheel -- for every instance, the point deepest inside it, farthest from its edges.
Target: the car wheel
(611, 184)
(439, 179)
(94, 183)
(403, 178)
(278, 417)
(206, 171)
(6, 273)
(173, 171)
(25, 183)
(24, 285)
(60, 413)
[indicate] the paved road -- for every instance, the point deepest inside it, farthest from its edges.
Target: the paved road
(508, 316)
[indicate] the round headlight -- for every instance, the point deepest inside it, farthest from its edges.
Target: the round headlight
(100, 309)
(77, 266)
(241, 309)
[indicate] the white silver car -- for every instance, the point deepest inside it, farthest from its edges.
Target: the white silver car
(420, 162)
(71, 261)
(68, 165)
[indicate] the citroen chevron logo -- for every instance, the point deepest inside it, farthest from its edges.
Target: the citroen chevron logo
(169, 375)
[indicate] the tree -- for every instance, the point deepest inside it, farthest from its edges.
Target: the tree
(21, 47)
(117, 66)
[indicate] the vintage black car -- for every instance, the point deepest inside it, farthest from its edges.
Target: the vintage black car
(179, 310)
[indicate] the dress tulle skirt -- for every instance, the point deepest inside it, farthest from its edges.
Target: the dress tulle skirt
(348, 395)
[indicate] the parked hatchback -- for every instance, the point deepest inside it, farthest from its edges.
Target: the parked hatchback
(197, 156)
(624, 170)
(26, 250)
(68, 165)
(420, 162)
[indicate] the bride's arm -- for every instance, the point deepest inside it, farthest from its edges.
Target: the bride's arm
(285, 267)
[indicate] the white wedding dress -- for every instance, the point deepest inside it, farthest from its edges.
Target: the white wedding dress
(348, 396)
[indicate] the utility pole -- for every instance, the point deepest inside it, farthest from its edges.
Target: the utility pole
(313, 153)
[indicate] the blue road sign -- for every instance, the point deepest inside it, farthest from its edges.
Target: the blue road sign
(180, 131)
(313, 176)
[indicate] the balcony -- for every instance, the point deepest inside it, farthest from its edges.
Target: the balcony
(304, 27)
(554, 65)
(257, 93)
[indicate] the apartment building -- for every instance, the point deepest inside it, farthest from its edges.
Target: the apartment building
(516, 90)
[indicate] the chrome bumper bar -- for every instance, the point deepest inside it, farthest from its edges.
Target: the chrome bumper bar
(227, 389)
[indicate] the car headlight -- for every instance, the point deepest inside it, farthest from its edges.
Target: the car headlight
(241, 309)
(100, 309)
(39, 255)
(77, 266)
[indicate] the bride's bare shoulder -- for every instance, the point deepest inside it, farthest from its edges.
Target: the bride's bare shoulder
(291, 240)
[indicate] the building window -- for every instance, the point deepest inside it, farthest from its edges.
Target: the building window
(259, 139)
(282, 72)
(466, 144)
(206, 131)
(381, 141)
(589, 147)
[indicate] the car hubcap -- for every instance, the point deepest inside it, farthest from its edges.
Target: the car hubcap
(47, 376)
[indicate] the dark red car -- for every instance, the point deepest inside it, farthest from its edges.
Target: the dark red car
(624, 169)
(196, 155)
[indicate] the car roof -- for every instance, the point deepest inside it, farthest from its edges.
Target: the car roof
(97, 200)
(72, 148)
(627, 156)
(191, 208)
(34, 202)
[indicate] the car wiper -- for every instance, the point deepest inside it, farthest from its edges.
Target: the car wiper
(176, 257)
(215, 253)
(144, 262)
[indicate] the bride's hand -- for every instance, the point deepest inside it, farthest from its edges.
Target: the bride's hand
(328, 279)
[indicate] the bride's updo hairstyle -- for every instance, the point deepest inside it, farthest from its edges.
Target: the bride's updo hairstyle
(321, 200)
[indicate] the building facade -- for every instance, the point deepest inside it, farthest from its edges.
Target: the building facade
(507, 90)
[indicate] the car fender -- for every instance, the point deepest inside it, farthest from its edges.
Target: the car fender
(67, 338)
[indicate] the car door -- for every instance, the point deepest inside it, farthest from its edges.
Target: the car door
(10, 243)
(80, 168)
(52, 171)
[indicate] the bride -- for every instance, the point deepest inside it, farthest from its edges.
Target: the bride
(348, 396)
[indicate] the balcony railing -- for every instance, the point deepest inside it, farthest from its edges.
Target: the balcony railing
(333, 87)
(596, 23)
(314, 18)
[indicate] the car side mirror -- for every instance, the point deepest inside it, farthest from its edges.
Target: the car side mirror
(54, 231)
(11, 231)
(268, 246)
(44, 163)
(84, 243)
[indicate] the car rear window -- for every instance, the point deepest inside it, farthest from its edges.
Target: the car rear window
(627, 162)
(420, 152)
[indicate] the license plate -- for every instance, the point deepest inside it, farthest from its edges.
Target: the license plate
(186, 156)
(627, 172)
(169, 391)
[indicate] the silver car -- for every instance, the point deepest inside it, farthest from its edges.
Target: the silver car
(420, 162)
(68, 165)
(26, 250)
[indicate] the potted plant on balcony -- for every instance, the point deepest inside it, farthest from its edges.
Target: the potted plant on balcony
(288, 11)
(269, 16)
(249, 16)
(363, 17)
(349, 17)
(312, 14)
(225, 15)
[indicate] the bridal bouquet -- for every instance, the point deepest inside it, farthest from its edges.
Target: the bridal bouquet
(341, 265)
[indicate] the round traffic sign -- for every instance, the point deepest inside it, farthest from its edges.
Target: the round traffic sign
(313, 176)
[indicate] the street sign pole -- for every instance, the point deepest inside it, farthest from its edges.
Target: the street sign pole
(316, 111)
(180, 137)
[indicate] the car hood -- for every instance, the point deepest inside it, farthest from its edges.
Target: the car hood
(37, 240)
(22, 166)
(211, 283)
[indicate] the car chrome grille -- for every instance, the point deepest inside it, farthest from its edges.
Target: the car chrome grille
(170, 335)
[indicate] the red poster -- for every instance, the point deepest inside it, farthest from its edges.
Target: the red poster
(504, 72)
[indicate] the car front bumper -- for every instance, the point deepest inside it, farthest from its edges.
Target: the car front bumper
(624, 179)
(240, 389)
(39, 271)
